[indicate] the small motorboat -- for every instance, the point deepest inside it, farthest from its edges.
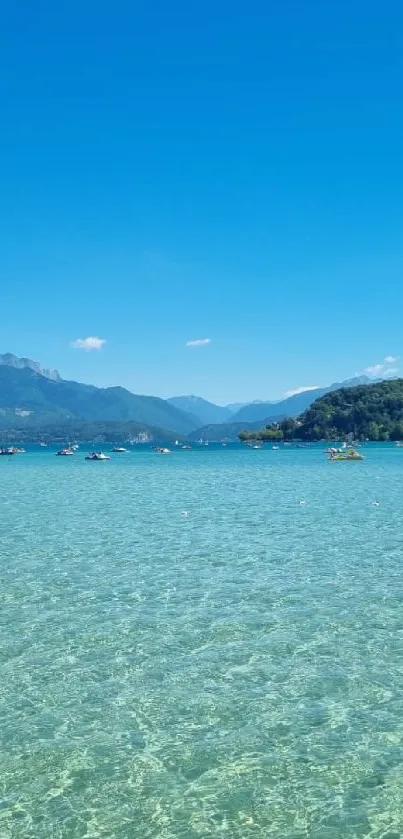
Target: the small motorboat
(14, 450)
(118, 449)
(348, 454)
(67, 452)
(5, 452)
(97, 456)
(187, 448)
(162, 450)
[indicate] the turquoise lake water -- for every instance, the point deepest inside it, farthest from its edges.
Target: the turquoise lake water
(234, 673)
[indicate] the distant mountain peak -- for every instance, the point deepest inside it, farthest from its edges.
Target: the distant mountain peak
(205, 411)
(354, 382)
(31, 397)
(10, 360)
(293, 405)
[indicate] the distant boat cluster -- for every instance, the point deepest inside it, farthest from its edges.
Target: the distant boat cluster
(346, 452)
(72, 448)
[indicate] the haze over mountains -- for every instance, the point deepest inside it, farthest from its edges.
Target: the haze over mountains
(31, 396)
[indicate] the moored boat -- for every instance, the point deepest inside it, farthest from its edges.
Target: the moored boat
(97, 456)
(348, 454)
(118, 449)
(67, 452)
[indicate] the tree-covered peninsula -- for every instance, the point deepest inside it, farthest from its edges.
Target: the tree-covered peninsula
(368, 412)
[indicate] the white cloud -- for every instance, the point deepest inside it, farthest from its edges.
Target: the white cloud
(88, 344)
(375, 370)
(382, 369)
(300, 390)
(199, 342)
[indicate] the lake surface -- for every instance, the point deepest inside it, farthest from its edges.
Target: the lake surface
(233, 672)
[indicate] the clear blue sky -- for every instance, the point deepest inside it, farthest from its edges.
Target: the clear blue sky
(172, 171)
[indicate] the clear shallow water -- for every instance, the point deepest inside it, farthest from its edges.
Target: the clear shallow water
(236, 672)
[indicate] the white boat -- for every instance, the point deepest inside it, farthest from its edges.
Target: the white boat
(119, 449)
(176, 442)
(65, 452)
(275, 448)
(162, 450)
(399, 444)
(97, 456)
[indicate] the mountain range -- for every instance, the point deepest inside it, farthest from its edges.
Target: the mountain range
(10, 360)
(293, 405)
(35, 397)
(258, 414)
(207, 412)
(31, 398)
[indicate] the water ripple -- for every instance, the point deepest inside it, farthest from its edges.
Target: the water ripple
(236, 672)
